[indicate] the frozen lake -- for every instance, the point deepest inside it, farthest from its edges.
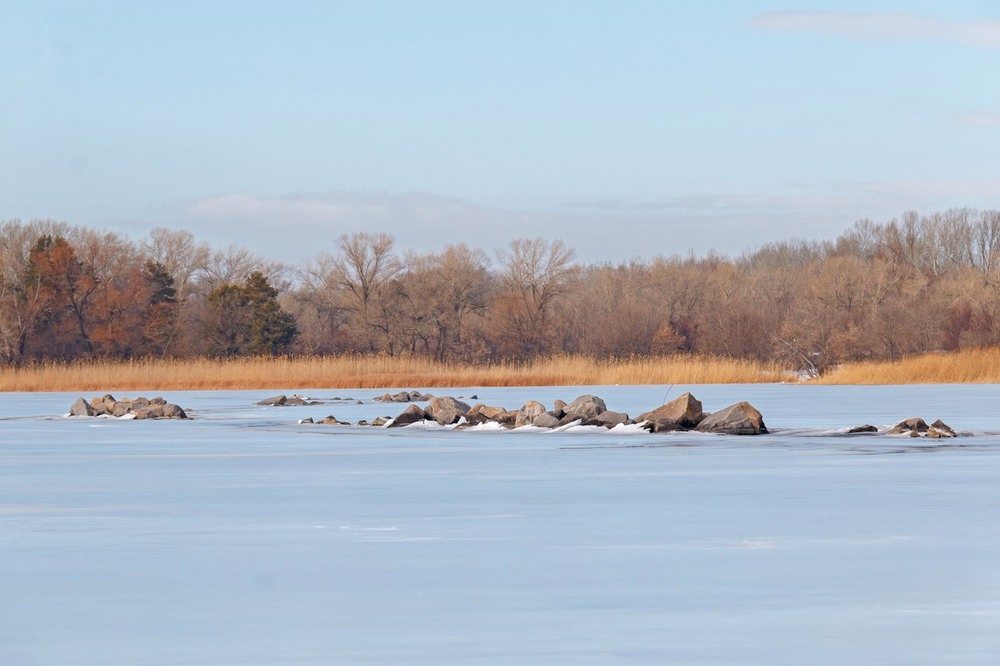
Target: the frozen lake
(242, 537)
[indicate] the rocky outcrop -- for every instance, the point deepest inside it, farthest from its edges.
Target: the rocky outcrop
(446, 410)
(739, 419)
(138, 408)
(681, 413)
(285, 401)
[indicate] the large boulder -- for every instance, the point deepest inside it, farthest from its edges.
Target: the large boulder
(739, 419)
(526, 415)
(610, 419)
(446, 410)
(545, 420)
(172, 411)
(681, 413)
(82, 408)
(586, 408)
(411, 414)
(274, 401)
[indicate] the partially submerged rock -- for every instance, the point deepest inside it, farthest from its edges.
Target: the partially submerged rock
(861, 428)
(285, 401)
(411, 414)
(909, 426)
(405, 396)
(739, 419)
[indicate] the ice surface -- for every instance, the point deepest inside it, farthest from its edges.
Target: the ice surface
(243, 537)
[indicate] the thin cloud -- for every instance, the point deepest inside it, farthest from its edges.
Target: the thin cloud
(984, 119)
(883, 26)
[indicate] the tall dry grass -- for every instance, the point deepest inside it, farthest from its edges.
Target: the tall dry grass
(969, 366)
(377, 372)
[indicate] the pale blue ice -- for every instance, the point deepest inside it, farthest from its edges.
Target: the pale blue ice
(242, 537)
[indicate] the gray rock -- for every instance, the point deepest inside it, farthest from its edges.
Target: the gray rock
(307, 419)
(586, 407)
(610, 419)
(862, 428)
(380, 421)
(739, 419)
(446, 410)
(82, 408)
(171, 411)
(545, 420)
(943, 428)
(411, 414)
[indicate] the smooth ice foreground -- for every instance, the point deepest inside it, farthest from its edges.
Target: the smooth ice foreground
(245, 538)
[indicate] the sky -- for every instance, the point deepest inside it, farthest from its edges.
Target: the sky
(625, 128)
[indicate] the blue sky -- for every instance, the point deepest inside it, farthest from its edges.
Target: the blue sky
(626, 128)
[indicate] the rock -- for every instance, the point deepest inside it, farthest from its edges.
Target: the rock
(915, 424)
(274, 401)
(148, 412)
(121, 408)
(545, 420)
(307, 419)
(943, 428)
(739, 419)
(586, 407)
(82, 408)
(380, 421)
(526, 415)
(362, 422)
(610, 419)
(411, 414)
(559, 408)
(139, 402)
(681, 413)
(446, 410)
(405, 396)
(332, 420)
(172, 411)
(103, 405)
(157, 401)
(862, 428)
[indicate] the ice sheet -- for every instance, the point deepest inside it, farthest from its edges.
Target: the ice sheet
(243, 537)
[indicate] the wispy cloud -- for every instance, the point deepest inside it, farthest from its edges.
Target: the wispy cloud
(299, 226)
(885, 26)
(981, 119)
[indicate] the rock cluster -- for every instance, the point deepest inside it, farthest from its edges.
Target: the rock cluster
(405, 396)
(285, 401)
(138, 408)
(683, 413)
(917, 427)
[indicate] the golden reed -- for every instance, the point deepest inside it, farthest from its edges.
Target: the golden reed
(968, 366)
(377, 372)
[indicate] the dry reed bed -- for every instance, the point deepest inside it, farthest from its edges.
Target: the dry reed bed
(377, 372)
(969, 366)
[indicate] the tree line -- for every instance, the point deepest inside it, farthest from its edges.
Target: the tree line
(878, 291)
